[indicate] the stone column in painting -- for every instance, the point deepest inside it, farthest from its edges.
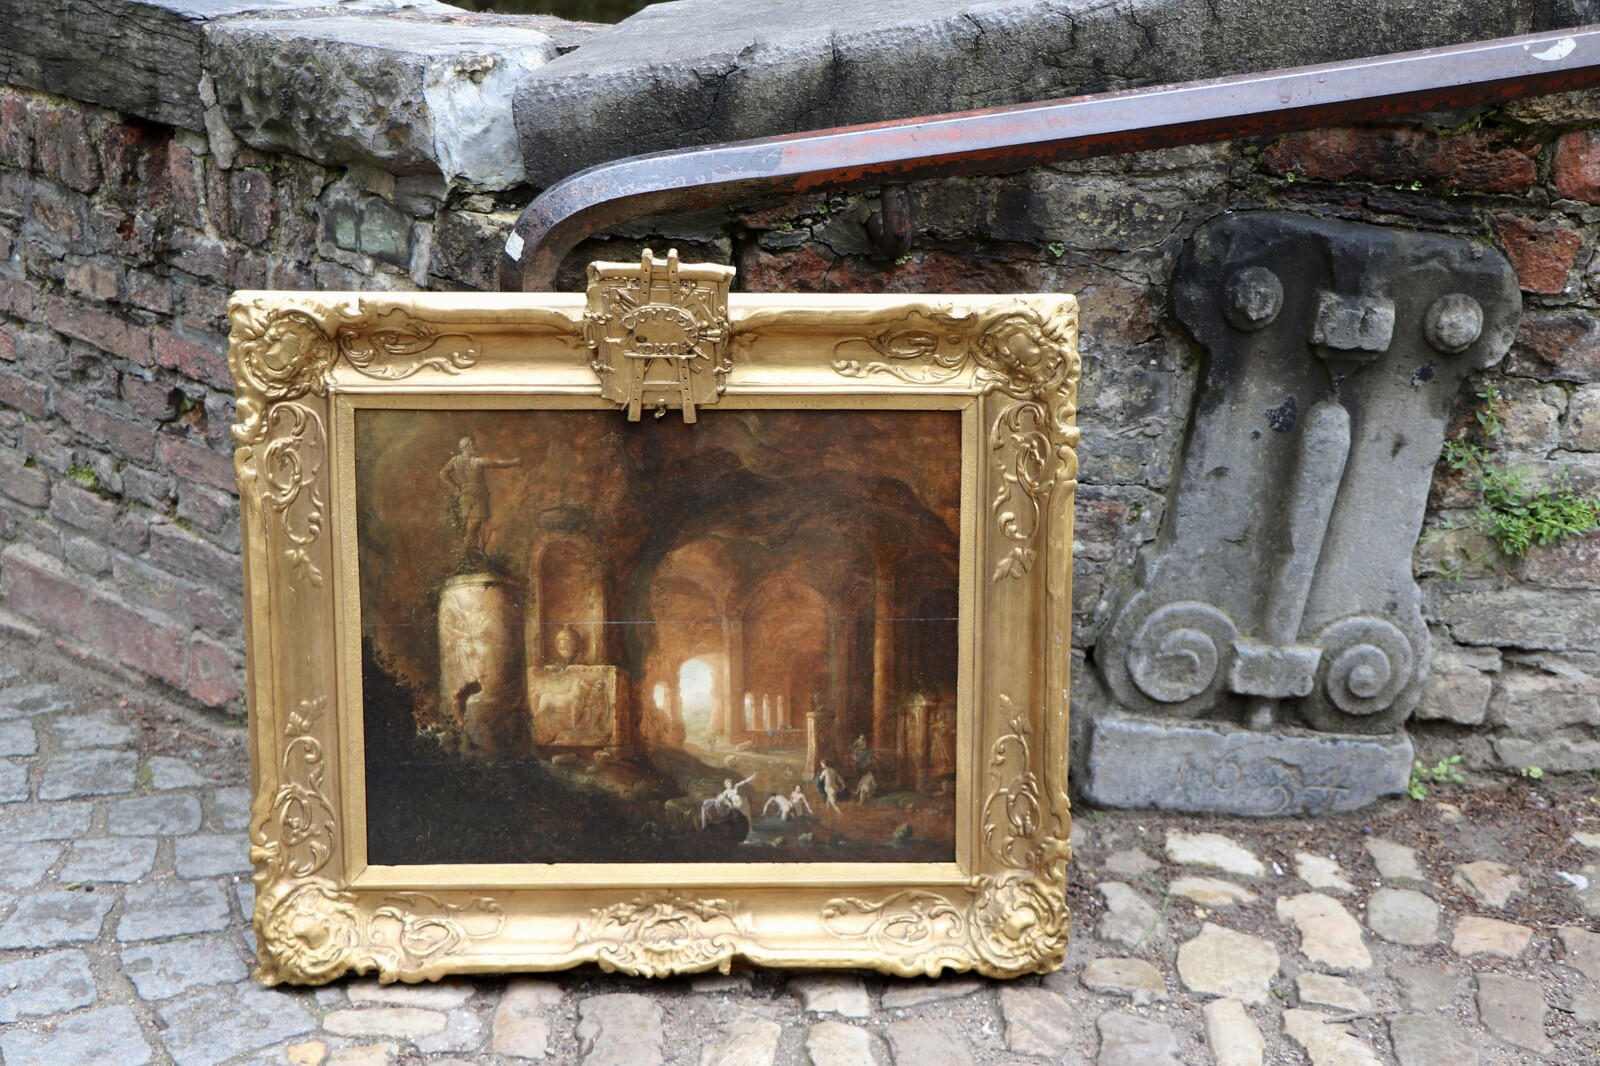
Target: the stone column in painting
(883, 716)
(819, 739)
(480, 663)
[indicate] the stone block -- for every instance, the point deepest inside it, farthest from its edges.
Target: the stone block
(1560, 754)
(1537, 704)
(88, 773)
(55, 917)
(213, 673)
(154, 816)
(109, 1034)
(1576, 170)
(406, 95)
(16, 130)
(252, 204)
(163, 970)
(256, 1017)
(165, 909)
(104, 330)
(119, 859)
(1557, 346)
(45, 985)
(695, 72)
(1541, 252)
(1140, 762)
(466, 246)
(1574, 563)
(1484, 161)
(1487, 612)
(1456, 692)
(1581, 430)
(62, 147)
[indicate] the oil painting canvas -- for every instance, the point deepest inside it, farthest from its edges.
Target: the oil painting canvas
(586, 640)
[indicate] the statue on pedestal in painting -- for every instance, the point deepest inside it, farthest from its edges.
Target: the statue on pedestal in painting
(464, 474)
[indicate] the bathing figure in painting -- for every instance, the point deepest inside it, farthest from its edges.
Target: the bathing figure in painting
(730, 799)
(464, 474)
(830, 784)
(790, 807)
(866, 788)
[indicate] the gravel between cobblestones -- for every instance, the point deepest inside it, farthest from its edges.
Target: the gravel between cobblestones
(124, 935)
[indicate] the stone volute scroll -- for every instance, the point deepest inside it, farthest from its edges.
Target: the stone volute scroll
(1274, 629)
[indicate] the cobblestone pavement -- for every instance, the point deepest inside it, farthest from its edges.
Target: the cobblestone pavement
(1423, 934)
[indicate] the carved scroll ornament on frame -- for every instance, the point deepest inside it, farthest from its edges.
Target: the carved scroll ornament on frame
(308, 366)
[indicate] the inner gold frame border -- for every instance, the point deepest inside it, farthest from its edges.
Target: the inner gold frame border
(303, 362)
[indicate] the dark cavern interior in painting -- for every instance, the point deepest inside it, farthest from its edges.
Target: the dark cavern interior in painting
(586, 640)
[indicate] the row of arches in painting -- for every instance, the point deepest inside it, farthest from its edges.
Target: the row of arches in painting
(733, 642)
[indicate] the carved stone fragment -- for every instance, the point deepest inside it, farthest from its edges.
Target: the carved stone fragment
(1280, 589)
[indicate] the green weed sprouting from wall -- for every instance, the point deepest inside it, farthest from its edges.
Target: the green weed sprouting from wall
(1514, 513)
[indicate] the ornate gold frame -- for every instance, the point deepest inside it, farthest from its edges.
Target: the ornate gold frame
(303, 362)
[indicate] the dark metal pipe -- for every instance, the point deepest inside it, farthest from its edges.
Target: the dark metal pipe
(1004, 139)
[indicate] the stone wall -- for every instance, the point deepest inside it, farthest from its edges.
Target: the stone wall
(285, 145)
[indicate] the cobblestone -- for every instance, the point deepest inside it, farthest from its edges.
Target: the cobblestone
(1395, 862)
(1037, 1020)
(831, 994)
(1329, 936)
(1222, 962)
(154, 816)
(24, 865)
(168, 908)
(840, 1044)
(45, 984)
(51, 918)
(13, 781)
(620, 1029)
(214, 1025)
(1476, 935)
(18, 738)
(1213, 849)
(44, 821)
(93, 729)
(211, 855)
(107, 1035)
(1130, 920)
(1128, 1040)
(161, 971)
(88, 773)
(1403, 916)
(929, 1043)
(1513, 1008)
(1133, 978)
(1422, 1041)
(151, 965)
(114, 859)
(748, 1041)
(1234, 1039)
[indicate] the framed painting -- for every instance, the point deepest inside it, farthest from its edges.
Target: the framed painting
(656, 628)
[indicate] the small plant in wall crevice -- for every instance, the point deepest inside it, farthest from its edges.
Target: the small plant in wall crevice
(1515, 513)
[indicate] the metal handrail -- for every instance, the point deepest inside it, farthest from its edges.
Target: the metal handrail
(1004, 139)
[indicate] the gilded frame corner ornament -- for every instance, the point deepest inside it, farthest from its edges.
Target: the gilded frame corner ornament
(1008, 364)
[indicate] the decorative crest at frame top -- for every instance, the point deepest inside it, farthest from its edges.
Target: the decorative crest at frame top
(658, 333)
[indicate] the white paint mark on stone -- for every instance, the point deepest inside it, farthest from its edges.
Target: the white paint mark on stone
(514, 246)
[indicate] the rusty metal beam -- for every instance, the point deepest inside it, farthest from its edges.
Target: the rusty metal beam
(1003, 139)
